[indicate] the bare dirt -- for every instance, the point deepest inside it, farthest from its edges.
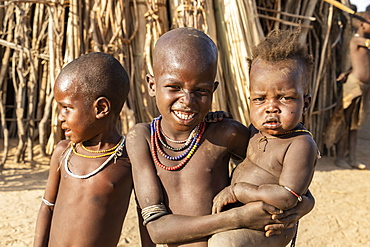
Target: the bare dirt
(340, 217)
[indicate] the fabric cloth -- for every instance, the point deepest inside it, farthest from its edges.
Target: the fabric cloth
(357, 93)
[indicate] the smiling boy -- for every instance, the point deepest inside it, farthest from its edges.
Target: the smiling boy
(180, 162)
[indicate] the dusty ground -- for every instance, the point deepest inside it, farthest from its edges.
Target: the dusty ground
(340, 217)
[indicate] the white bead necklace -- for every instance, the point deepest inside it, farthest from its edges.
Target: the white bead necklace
(117, 153)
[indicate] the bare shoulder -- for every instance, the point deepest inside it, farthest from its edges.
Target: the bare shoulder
(229, 127)
(139, 132)
(305, 141)
(230, 133)
(58, 152)
(140, 129)
(61, 146)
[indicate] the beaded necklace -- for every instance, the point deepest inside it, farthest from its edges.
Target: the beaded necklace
(185, 156)
(101, 151)
(73, 148)
(115, 154)
(265, 138)
(186, 144)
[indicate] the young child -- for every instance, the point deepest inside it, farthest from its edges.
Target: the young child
(356, 93)
(90, 182)
(179, 162)
(281, 153)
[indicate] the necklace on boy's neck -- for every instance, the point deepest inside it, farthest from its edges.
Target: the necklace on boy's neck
(155, 146)
(115, 154)
(102, 151)
(265, 138)
(186, 142)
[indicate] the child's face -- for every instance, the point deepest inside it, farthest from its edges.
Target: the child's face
(77, 119)
(277, 99)
(366, 26)
(183, 90)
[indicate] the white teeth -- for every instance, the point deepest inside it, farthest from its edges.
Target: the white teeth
(183, 116)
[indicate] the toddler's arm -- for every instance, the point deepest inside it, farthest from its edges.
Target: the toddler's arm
(296, 175)
(290, 217)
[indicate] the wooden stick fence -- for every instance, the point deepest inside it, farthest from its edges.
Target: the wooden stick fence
(37, 38)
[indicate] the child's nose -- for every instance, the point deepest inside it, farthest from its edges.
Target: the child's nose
(60, 116)
(187, 98)
(272, 108)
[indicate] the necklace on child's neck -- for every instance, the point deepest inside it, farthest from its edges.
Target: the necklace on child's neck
(101, 151)
(186, 142)
(265, 138)
(155, 140)
(356, 35)
(118, 151)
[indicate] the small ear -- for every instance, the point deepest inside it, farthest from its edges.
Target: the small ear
(151, 84)
(215, 85)
(102, 107)
(307, 103)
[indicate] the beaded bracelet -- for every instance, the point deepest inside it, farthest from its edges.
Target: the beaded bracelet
(295, 194)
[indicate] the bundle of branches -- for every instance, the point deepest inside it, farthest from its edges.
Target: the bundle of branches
(37, 38)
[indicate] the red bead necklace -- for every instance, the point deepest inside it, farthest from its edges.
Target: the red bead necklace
(155, 146)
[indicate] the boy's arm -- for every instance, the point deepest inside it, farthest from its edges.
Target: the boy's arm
(297, 172)
(46, 211)
(172, 228)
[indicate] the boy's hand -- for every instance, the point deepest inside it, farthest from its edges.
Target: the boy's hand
(217, 116)
(226, 196)
(290, 217)
(256, 216)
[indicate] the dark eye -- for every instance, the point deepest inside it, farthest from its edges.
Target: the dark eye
(286, 98)
(258, 100)
(203, 91)
(173, 87)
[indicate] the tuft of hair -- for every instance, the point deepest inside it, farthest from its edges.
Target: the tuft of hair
(359, 18)
(98, 74)
(280, 45)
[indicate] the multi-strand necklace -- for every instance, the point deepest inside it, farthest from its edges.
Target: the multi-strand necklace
(189, 147)
(114, 152)
(265, 138)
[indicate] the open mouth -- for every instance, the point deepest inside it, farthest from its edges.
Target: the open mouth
(67, 132)
(272, 124)
(184, 116)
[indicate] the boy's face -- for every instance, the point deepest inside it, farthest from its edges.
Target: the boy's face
(277, 99)
(183, 89)
(366, 26)
(76, 118)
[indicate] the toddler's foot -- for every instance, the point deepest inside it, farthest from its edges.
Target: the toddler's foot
(342, 163)
(358, 165)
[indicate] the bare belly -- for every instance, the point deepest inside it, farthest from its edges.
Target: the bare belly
(253, 174)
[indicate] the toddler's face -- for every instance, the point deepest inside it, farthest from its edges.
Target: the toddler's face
(277, 100)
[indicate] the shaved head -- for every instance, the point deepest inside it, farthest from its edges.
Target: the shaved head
(185, 45)
(95, 75)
